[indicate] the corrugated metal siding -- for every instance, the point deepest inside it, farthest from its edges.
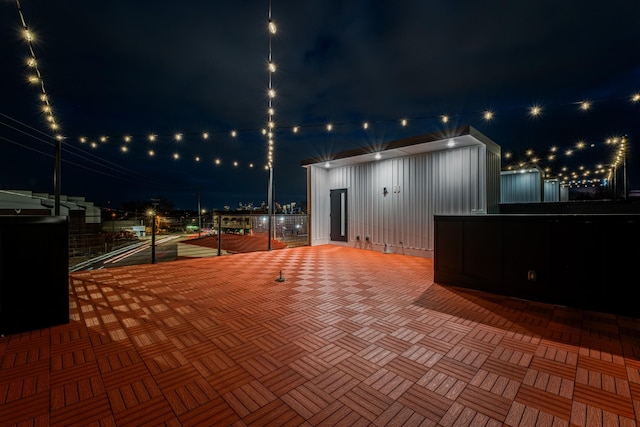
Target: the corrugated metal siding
(521, 187)
(319, 198)
(451, 182)
(492, 179)
(551, 190)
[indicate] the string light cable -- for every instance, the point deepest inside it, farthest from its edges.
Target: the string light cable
(486, 116)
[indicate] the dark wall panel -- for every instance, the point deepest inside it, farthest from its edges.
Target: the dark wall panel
(34, 273)
(581, 261)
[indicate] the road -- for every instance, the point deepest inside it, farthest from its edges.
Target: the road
(138, 253)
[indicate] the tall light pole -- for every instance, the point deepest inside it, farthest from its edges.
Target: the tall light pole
(57, 176)
(271, 127)
(624, 166)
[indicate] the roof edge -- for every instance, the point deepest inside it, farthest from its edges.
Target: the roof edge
(406, 142)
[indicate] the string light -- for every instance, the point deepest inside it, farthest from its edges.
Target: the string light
(270, 120)
(535, 111)
(49, 117)
(36, 77)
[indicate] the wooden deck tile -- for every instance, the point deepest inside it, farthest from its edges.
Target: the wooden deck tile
(352, 337)
(308, 399)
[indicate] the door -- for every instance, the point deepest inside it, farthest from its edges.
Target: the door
(338, 214)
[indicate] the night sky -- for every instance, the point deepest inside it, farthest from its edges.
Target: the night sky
(136, 68)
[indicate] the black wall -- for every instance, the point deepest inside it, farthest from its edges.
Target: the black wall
(581, 261)
(34, 272)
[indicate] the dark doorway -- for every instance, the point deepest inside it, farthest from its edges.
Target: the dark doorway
(338, 215)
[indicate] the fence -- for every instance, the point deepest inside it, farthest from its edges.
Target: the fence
(292, 230)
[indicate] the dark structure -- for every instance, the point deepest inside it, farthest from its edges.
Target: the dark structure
(581, 261)
(34, 272)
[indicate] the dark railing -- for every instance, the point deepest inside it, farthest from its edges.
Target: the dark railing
(86, 246)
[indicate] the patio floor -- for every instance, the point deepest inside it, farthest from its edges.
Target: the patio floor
(348, 337)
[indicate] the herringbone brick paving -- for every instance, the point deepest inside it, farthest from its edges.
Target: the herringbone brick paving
(351, 337)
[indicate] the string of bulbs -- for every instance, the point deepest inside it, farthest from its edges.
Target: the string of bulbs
(535, 111)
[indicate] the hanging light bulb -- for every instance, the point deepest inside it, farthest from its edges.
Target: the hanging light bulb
(535, 111)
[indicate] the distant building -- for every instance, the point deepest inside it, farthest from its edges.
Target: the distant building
(84, 217)
(528, 185)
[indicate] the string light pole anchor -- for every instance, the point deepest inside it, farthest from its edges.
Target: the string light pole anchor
(280, 279)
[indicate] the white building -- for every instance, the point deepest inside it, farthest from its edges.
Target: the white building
(386, 199)
(528, 185)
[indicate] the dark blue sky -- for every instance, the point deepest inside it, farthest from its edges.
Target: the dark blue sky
(134, 68)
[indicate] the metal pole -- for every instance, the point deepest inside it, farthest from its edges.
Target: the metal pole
(219, 234)
(270, 206)
(199, 217)
(624, 165)
(56, 176)
(153, 233)
(153, 237)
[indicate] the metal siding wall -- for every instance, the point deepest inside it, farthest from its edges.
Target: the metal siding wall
(493, 183)
(551, 191)
(320, 225)
(447, 183)
(520, 187)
